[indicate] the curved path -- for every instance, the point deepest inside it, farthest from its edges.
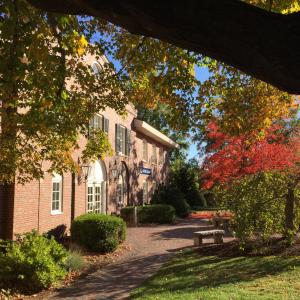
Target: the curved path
(150, 248)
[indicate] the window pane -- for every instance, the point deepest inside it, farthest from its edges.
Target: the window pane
(154, 156)
(145, 150)
(56, 196)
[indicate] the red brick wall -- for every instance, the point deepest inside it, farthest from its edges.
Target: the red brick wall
(32, 209)
(33, 205)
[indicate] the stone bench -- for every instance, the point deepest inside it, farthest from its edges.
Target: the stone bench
(217, 234)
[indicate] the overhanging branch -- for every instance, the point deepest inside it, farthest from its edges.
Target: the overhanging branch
(258, 42)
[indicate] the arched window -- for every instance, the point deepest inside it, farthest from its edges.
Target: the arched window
(122, 186)
(97, 68)
(120, 191)
(96, 188)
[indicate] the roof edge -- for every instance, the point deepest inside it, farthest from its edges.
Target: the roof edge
(148, 130)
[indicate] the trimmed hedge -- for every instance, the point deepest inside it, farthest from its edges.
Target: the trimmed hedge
(98, 233)
(158, 213)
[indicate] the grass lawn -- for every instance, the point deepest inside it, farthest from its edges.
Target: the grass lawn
(191, 276)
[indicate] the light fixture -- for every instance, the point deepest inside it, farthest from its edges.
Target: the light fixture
(84, 173)
(114, 171)
(85, 170)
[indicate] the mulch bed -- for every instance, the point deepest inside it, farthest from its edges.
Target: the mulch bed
(276, 246)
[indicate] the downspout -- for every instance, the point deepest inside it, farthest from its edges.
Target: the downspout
(39, 205)
(73, 197)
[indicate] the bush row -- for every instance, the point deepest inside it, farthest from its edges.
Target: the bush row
(159, 213)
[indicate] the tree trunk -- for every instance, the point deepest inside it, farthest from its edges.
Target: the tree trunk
(290, 212)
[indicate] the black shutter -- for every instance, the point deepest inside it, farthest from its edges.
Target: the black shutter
(117, 139)
(128, 141)
(105, 125)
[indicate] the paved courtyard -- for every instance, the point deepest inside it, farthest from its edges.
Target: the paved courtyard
(150, 248)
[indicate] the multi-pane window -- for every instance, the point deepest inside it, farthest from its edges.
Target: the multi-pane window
(90, 199)
(95, 198)
(123, 139)
(161, 156)
(98, 122)
(56, 203)
(145, 150)
(145, 192)
(154, 155)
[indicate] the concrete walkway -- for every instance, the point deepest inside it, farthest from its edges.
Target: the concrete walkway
(151, 247)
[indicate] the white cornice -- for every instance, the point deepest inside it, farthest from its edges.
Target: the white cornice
(148, 130)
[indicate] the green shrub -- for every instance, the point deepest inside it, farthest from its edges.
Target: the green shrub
(75, 261)
(127, 214)
(97, 232)
(171, 195)
(32, 262)
(257, 202)
(158, 213)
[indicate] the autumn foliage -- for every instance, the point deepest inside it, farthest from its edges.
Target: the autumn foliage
(232, 157)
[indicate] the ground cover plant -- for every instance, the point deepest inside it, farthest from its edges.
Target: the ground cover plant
(194, 276)
(32, 262)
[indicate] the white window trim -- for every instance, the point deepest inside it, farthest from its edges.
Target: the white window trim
(57, 179)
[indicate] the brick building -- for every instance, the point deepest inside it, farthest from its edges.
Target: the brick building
(129, 177)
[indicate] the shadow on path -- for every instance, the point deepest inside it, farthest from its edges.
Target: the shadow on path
(151, 247)
(114, 281)
(181, 232)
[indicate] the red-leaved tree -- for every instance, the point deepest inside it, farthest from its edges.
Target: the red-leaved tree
(232, 157)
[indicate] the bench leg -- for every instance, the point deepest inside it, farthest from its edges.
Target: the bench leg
(218, 238)
(197, 241)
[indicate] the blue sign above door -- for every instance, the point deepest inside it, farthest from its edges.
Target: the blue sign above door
(145, 171)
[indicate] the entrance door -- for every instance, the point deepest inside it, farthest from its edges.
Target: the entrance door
(96, 190)
(94, 200)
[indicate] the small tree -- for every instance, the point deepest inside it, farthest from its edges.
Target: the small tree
(258, 203)
(185, 176)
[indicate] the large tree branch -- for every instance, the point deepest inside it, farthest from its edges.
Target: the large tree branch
(258, 42)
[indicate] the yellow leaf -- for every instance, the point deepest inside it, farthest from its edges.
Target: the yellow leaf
(82, 44)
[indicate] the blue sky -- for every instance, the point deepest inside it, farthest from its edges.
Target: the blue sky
(201, 74)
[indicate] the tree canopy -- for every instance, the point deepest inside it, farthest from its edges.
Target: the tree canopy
(49, 92)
